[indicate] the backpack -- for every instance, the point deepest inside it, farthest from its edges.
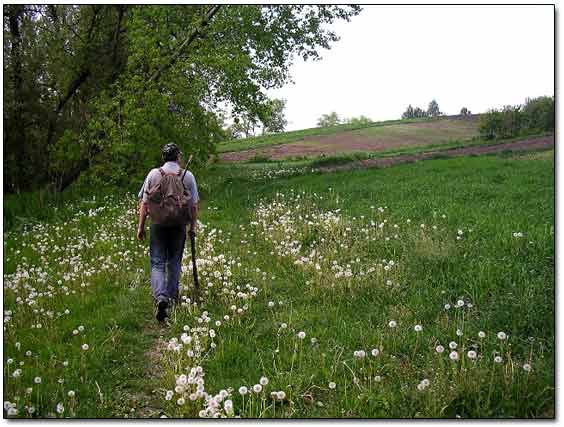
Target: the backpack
(168, 201)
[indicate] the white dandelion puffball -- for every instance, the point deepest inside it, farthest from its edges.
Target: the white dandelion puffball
(37, 380)
(332, 385)
(284, 325)
(453, 355)
(498, 359)
(377, 378)
(71, 393)
(75, 332)
(243, 390)
(418, 328)
(392, 324)
(426, 382)
(439, 349)
(482, 334)
(81, 328)
(271, 303)
(452, 345)
(281, 395)
(180, 401)
(60, 408)
(527, 367)
(301, 335)
(459, 303)
(447, 306)
(263, 381)
(459, 332)
(257, 388)
(375, 352)
(420, 387)
(471, 354)
(501, 335)
(84, 347)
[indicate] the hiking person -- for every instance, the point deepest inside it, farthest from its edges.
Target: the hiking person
(169, 196)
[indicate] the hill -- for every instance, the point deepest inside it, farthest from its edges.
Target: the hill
(375, 137)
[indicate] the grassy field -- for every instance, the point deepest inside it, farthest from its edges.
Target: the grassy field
(421, 290)
(298, 135)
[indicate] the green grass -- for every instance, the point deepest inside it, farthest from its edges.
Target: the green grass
(351, 156)
(508, 280)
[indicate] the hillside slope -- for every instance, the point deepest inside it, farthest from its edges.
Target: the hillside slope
(341, 139)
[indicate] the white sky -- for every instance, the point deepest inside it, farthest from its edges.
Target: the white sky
(391, 56)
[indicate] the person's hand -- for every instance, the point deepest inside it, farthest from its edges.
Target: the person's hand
(141, 233)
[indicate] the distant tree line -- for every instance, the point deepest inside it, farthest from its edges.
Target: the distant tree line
(413, 113)
(534, 116)
(333, 119)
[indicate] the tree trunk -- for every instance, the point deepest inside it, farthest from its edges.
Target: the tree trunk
(16, 130)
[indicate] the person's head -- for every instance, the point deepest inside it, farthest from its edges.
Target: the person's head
(170, 152)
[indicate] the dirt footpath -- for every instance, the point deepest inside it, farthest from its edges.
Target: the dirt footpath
(532, 144)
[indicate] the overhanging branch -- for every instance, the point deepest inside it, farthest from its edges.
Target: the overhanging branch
(191, 37)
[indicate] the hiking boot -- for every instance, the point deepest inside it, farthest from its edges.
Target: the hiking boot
(161, 310)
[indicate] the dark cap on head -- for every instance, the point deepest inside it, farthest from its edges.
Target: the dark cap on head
(170, 152)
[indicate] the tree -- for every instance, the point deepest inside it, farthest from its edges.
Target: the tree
(99, 88)
(412, 113)
(327, 120)
(433, 109)
(538, 114)
(465, 111)
(408, 113)
(359, 121)
(419, 113)
(275, 121)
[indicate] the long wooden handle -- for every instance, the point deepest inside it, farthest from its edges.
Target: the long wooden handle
(194, 269)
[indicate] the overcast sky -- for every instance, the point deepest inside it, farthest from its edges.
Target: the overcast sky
(391, 56)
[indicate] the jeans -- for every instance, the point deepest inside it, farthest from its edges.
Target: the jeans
(166, 247)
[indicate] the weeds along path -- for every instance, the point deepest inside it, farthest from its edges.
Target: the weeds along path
(76, 310)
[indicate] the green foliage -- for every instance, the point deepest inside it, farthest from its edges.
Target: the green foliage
(275, 122)
(433, 109)
(414, 113)
(465, 111)
(337, 160)
(328, 120)
(107, 84)
(536, 115)
(359, 121)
